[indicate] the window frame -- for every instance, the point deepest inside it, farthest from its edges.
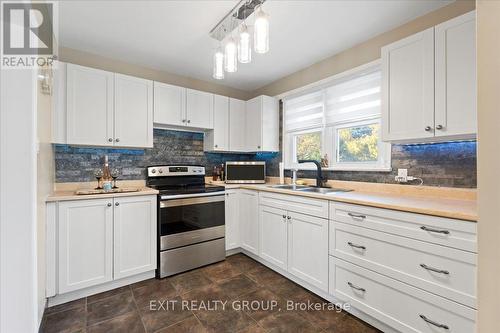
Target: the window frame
(329, 144)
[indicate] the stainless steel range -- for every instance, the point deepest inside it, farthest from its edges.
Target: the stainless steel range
(191, 222)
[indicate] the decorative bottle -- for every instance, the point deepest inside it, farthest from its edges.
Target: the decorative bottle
(107, 180)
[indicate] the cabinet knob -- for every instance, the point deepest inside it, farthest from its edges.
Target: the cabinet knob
(117, 140)
(439, 127)
(117, 204)
(216, 146)
(183, 120)
(284, 216)
(289, 217)
(428, 129)
(109, 204)
(258, 147)
(110, 140)
(189, 121)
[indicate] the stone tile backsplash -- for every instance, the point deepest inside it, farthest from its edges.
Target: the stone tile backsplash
(450, 164)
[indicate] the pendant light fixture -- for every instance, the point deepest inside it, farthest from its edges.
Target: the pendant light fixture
(244, 48)
(261, 31)
(218, 64)
(230, 56)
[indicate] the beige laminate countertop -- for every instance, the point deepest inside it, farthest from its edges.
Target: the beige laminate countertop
(70, 195)
(455, 208)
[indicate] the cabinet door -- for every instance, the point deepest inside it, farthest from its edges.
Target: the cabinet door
(273, 236)
(236, 125)
(232, 219)
(408, 88)
(456, 76)
(253, 124)
(133, 111)
(308, 249)
(249, 217)
(169, 104)
(85, 241)
(221, 123)
(134, 235)
(89, 94)
(199, 109)
(270, 124)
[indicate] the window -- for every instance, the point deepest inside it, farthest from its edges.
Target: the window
(341, 119)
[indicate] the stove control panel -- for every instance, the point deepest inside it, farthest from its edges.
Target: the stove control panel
(176, 170)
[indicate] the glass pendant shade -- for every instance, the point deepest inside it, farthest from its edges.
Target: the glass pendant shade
(230, 56)
(218, 65)
(244, 48)
(261, 32)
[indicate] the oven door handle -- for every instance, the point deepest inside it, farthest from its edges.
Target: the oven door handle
(182, 196)
(188, 201)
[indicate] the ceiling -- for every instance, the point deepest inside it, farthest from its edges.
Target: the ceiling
(173, 35)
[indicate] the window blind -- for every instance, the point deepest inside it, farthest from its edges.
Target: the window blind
(304, 112)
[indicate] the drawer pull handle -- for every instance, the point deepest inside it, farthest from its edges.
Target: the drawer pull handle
(432, 322)
(353, 286)
(356, 246)
(437, 270)
(446, 232)
(357, 216)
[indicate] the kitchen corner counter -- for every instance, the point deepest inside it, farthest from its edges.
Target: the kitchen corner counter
(71, 195)
(446, 205)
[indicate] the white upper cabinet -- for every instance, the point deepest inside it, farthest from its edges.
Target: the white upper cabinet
(408, 88)
(89, 106)
(134, 235)
(429, 84)
(133, 111)
(262, 124)
(456, 76)
(218, 139)
(236, 124)
(199, 109)
(169, 104)
(104, 109)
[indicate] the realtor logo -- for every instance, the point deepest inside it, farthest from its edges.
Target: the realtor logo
(27, 34)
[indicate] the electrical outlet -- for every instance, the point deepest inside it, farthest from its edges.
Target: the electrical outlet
(402, 176)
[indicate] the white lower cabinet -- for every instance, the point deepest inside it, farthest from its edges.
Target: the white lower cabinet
(249, 220)
(85, 239)
(308, 249)
(134, 235)
(232, 211)
(273, 236)
(100, 240)
(399, 305)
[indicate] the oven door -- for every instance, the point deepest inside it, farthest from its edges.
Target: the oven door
(191, 220)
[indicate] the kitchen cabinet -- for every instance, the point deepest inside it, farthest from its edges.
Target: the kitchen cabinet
(199, 109)
(236, 125)
(308, 249)
(133, 111)
(94, 242)
(456, 77)
(429, 84)
(262, 124)
(273, 236)
(85, 239)
(134, 245)
(105, 109)
(249, 220)
(232, 219)
(218, 139)
(169, 104)
(89, 94)
(408, 88)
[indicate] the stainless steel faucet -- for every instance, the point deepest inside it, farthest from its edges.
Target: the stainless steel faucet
(294, 177)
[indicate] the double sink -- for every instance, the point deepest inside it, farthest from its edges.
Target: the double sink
(309, 189)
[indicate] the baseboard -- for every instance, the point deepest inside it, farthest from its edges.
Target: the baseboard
(77, 294)
(355, 312)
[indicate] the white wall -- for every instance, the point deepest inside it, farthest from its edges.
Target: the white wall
(18, 304)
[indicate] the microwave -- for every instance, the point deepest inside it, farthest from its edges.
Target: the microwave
(246, 172)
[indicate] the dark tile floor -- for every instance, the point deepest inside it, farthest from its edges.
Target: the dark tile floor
(238, 280)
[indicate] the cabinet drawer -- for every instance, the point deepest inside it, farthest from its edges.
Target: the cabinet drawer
(406, 308)
(453, 233)
(295, 203)
(408, 260)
